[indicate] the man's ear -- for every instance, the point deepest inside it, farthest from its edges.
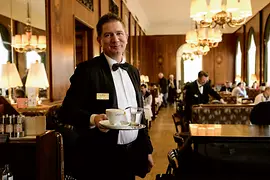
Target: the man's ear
(99, 40)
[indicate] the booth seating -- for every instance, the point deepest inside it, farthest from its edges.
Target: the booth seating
(222, 113)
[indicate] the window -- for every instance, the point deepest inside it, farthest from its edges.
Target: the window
(251, 60)
(238, 60)
(32, 57)
(3, 54)
(192, 68)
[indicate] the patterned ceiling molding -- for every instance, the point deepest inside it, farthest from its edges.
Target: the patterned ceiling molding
(89, 4)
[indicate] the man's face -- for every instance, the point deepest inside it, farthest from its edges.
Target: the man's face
(202, 80)
(160, 75)
(143, 89)
(113, 39)
(267, 92)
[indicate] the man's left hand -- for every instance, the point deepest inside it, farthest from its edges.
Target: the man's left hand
(150, 162)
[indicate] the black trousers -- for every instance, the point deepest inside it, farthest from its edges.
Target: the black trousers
(104, 163)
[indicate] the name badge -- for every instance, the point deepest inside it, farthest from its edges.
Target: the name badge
(102, 96)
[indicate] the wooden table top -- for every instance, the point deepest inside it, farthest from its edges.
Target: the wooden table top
(229, 131)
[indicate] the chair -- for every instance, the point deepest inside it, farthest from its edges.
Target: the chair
(173, 161)
(177, 122)
(69, 139)
(260, 114)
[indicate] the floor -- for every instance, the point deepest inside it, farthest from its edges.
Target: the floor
(161, 134)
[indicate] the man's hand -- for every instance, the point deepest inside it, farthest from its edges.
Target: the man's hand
(150, 162)
(98, 118)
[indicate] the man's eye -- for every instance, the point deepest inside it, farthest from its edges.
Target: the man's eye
(106, 35)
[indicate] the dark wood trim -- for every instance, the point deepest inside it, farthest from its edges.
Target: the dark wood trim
(261, 78)
(48, 48)
(266, 38)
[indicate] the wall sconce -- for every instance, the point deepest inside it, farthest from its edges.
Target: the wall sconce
(10, 78)
(36, 78)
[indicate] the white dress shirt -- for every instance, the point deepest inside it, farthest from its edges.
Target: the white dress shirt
(126, 97)
(200, 87)
(261, 98)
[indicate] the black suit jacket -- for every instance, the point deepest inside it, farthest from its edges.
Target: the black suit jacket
(193, 96)
(92, 77)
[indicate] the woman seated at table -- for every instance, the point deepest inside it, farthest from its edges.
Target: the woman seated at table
(239, 90)
(147, 102)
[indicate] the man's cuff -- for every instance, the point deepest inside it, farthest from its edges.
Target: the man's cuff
(92, 122)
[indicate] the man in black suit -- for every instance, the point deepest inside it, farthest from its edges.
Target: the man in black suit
(104, 82)
(198, 92)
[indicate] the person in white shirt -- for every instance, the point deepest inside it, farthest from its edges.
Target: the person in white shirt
(101, 83)
(263, 97)
(147, 102)
(239, 90)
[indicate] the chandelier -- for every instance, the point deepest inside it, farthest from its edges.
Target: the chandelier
(233, 13)
(203, 39)
(28, 42)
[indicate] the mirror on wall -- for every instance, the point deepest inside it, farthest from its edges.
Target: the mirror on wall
(23, 36)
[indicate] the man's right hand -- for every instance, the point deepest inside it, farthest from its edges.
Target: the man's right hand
(100, 117)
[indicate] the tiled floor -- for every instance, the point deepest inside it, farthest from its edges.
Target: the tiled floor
(161, 134)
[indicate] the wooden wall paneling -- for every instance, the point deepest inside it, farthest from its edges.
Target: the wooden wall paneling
(126, 19)
(61, 29)
(61, 46)
(132, 39)
(164, 46)
(219, 61)
(265, 16)
(119, 4)
(137, 45)
(104, 7)
(255, 24)
(89, 18)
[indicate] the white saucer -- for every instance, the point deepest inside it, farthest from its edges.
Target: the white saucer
(108, 125)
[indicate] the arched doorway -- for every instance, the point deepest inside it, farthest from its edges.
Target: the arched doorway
(186, 69)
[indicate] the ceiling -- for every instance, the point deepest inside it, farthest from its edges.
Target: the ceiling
(172, 16)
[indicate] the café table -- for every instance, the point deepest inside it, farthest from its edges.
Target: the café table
(228, 133)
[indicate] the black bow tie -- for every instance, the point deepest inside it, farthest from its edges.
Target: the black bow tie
(117, 65)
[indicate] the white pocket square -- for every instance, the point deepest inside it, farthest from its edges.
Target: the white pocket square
(195, 95)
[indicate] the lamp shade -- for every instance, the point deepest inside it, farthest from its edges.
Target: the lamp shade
(10, 77)
(253, 77)
(238, 78)
(146, 79)
(37, 76)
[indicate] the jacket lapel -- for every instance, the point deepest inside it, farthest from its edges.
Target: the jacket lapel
(108, 80)
(136, 85)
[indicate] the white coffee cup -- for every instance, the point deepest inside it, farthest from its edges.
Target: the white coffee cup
(115, 116)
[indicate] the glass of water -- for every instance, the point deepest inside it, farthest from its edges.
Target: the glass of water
(136, 115)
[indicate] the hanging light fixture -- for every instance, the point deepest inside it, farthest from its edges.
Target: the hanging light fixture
(233, 13)
(203, 39)
(28, 42)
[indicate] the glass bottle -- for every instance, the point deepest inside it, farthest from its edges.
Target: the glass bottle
(9, 127)
(18, 127)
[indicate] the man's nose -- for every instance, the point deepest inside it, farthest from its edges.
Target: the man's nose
(114, 37)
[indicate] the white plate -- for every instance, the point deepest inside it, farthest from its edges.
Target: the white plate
(108, 125)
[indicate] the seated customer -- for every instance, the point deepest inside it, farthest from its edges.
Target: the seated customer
(239, 90)
(227, 87)
(263, 97)
(147, 102)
